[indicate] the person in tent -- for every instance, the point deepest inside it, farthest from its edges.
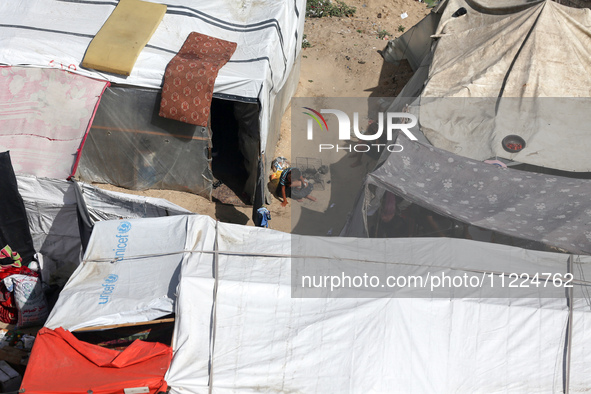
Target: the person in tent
(293, 183)
(401, 218)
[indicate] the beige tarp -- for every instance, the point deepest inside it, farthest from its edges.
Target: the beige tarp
(511, 68)
(542, 51)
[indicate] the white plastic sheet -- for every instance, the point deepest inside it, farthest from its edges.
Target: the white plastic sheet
(267, 340)
(250, 334)
(53, 220)
(113, 285)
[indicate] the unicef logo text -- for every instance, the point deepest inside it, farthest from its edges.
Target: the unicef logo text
(108, 287)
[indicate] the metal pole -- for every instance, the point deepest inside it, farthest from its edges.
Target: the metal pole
(570, 327)
(214, 310)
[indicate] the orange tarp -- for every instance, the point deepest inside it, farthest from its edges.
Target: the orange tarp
(60, 363)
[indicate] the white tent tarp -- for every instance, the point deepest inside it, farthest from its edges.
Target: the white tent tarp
(113, 285)
(240, 328)
(52, 212)
(268, 35)
(267, 339)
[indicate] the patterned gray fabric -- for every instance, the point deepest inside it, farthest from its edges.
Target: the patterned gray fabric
(550, 209)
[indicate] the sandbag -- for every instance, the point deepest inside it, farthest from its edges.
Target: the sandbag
(31, 303)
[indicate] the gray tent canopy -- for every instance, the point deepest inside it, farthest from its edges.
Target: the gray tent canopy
(552, 210)
(130, 146)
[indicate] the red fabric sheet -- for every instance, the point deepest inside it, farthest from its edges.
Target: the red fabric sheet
(60, 363)
(190, 76)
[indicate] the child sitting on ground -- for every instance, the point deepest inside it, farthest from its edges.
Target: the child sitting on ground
(299, 188)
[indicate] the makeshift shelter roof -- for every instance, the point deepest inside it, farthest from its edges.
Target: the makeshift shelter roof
(114, 285)
(243, 322)
(549, 209)
(267, 34)
(53, 208)
(154, 152)
(499, 69)
(535, 50)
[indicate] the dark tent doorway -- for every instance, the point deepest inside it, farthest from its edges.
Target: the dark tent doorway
(231, 126)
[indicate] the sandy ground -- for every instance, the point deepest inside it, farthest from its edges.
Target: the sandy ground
(344, 60)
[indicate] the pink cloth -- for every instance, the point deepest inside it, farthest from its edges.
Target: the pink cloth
(44, 116)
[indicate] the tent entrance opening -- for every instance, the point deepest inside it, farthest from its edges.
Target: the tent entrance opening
(227, 157)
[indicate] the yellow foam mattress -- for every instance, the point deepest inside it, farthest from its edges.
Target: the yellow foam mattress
(117, 45)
